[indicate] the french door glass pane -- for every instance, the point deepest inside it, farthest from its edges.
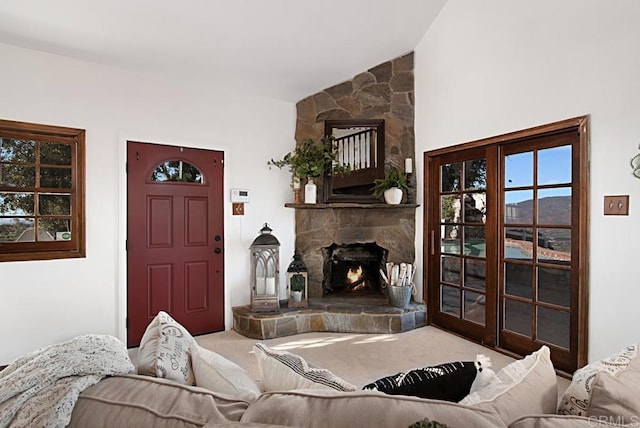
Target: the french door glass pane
(475, 241)
(554, 165)
(554, 206)
(518, 279)
(518, 170)
(450, 269)
(451, 177)
(518, 243)
(450, 209)
(475, 207)
(517, 317)
(475, 174)
(553, 326)
(518, 207)
(474, 307)
(554, 286)
(450, 240)
(475, 274)
(450, 300)
(554, 245)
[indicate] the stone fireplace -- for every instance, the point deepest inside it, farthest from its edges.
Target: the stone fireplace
(327, 233)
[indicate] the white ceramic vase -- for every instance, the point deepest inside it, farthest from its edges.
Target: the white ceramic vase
(393, 196)
(310, 192)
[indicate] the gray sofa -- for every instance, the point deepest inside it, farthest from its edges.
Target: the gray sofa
(524, 396)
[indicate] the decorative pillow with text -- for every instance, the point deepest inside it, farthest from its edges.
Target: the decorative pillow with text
(165, 350)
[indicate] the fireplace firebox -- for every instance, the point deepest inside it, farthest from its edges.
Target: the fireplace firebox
(353, 269)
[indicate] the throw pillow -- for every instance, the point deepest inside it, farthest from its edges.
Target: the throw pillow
(165, 350)
(527, 386)
(608, 387)
(284, 371)
(218, 374)
(449, 381)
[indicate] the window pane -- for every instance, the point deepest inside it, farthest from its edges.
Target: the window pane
(13, 204)
(54, 229)
(518, 207)
(450, 209)
(450, 269)
(518, 170)
(474, 307)
(450, 300)
(55, 154)
(518, 279)
(177, 171)
(518, 243)
(474, 241)
(451, 177)
(16, 229)
(17, 175)
(554, 245)
(451, 240)
(554, 165)
(474, 274)
(55, 177)
(517, 317)
(19, 151)
(54, 204)
(475, 207)
(554, 327)
(554, 286)
(554, 206)
(475, 174)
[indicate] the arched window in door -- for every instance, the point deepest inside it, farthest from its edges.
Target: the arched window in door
(177, 171)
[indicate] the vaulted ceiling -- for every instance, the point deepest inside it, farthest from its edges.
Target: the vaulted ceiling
(285, 49)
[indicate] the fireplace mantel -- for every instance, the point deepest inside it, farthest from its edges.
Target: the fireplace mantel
(349, 205)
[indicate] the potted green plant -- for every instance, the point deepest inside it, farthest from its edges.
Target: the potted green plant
(310, 160)
(391, 186)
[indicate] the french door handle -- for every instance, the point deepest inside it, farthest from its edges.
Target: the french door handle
(433, 242)
(218, 250)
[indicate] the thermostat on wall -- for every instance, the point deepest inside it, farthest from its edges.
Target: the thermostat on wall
(240, 195)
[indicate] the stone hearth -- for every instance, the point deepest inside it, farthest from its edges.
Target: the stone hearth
(363, 314)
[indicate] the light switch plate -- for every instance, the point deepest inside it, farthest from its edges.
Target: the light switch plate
(616, 205)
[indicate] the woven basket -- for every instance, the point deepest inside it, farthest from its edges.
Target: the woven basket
(399, 296)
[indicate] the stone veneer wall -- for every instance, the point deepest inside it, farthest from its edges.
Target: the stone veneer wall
(385, 91)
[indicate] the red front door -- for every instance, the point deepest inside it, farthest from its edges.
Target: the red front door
(174, 237)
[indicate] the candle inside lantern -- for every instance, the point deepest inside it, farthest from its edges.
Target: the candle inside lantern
(408, 166)
(270, 285)
(260, 285)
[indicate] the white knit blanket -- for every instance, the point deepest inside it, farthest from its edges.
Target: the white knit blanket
(40, 389)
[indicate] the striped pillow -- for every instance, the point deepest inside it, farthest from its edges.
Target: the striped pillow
(284, 371)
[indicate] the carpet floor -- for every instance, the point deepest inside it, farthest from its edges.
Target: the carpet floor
(361, 358)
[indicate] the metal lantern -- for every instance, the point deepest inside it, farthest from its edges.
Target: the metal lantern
(265, 270)
(297, 283)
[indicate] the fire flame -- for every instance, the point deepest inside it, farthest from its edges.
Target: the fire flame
(354, 274)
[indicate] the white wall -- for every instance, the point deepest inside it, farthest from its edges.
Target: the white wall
(491, 67)
(44, 302)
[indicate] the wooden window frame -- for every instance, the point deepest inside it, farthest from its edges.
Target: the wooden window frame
(51, 250)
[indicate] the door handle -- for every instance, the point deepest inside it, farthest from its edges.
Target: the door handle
(218, 250)
(217, 237)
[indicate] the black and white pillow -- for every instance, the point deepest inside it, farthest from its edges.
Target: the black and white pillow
(449, 381)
